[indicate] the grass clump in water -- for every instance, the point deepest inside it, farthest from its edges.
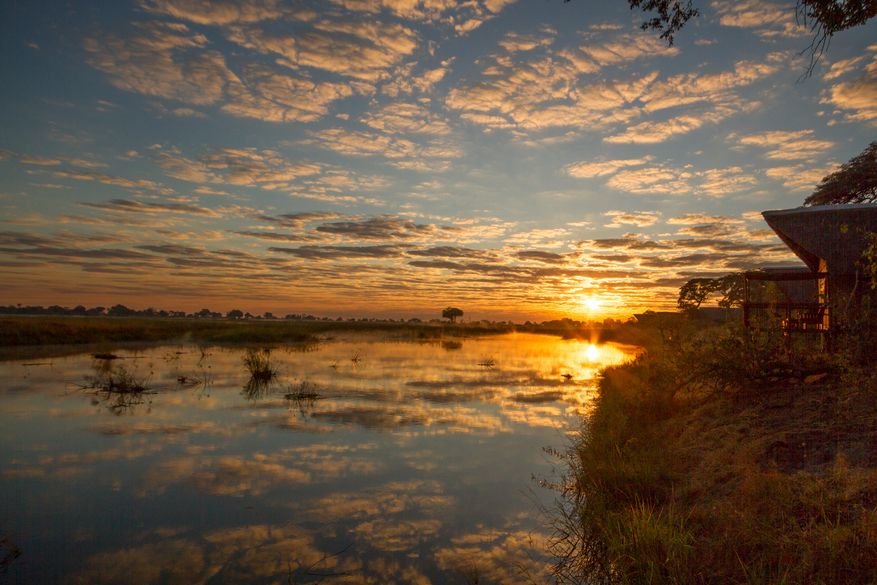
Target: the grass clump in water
(263, 373)
(259, 365)
(117, 386)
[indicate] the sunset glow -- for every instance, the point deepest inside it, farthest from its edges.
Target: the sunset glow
(388, 159)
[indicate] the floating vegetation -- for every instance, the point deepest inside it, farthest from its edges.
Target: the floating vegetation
(104, 356)
(117, 387)
(358, 358)
(487, 362)
(566, 377)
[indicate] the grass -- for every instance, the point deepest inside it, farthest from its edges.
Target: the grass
(303, 395)
(16, 331)
(263, 373)
(116, 386)
(710, 459)
(258, 364)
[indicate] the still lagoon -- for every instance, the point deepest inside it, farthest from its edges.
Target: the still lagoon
(361, 461)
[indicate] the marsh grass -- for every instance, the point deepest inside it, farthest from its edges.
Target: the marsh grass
(117, 386)
(263, 373)
(303, 390)
(18, 331)
(692, 469)
(258, 364)
(302, 394)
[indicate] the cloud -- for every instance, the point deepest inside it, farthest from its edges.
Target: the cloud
(698, 218)
(655, 132)
(404, 82)
(539, 256)
(842, 67)
(584, 170)
(514, 42)
(692, 260)
(637, 218)
(364, 50)
(39, 160)
(164, 60)
(769, 19)
(272, 96)
(128, 206)
(188, 113)
(788, 145)
(653, 180)
(542, 237)
(406, 118)
(110, 180)
(217, 12)
(382, 228)
(454, 252)
(626, 48)
(859, 95)
(719, 182)
(22, 244)
(799, 177)
(249, 166)
(298, 220)
(395, 149)
(343, 252)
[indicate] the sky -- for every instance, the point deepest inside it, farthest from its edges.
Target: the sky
(518, 159)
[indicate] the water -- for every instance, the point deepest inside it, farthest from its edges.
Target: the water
(410, 465)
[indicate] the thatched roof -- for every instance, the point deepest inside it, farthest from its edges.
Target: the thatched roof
(834, 233)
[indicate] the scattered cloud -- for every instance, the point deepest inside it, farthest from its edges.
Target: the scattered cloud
(859, 95)
(788, 145)
(637, 218)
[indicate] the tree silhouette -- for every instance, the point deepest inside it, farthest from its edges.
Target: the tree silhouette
(452, 313)
(854, 182)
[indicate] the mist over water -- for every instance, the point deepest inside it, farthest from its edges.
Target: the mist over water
(357, 461)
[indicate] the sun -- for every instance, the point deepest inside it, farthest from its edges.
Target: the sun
(592, 304)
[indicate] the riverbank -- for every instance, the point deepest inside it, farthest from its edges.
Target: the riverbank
(41, 331)
(718, 457)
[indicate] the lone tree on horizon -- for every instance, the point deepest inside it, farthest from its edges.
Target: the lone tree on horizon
(452, 313)
(854, 182)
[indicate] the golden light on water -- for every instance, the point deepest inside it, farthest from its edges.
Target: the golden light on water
(593, 353)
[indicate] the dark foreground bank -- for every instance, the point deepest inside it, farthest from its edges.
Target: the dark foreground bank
(726, 457)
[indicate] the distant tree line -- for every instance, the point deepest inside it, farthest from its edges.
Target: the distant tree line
(123, 311)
